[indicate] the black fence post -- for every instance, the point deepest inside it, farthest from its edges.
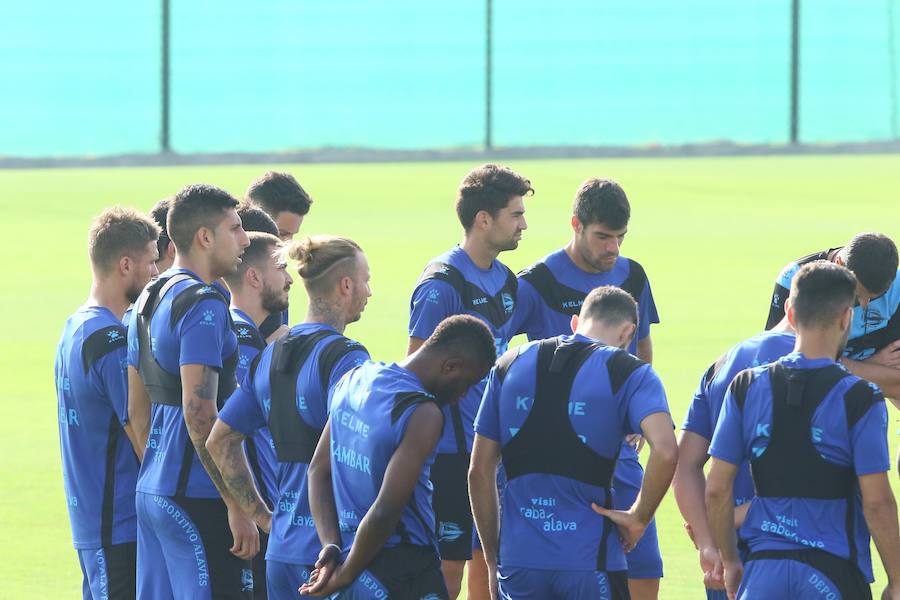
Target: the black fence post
(795, 70)
(488, 73)
(164, 115)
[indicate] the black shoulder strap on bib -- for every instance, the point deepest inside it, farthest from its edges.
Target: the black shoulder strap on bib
(331, 355)
(796, 394)
(497, 308)
(555, 295)
(295, 440)
(102, 342)
(248, 335)
(546, 442)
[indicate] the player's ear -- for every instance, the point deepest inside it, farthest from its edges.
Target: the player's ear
(252, 277)
(573, 323)
(451, 365)
(846, 318)
(839, 260)
(627, 334)
(204, 237)
(170, 250)
(125, 265)
(789, 313)
(576, 225)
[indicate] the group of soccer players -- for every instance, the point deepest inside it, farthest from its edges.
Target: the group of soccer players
(211, 450)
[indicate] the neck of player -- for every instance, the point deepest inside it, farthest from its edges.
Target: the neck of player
(201, 268)
(479, 250)
(250, 304)
(576, 258)
(327, 312)
(109, 295)
(820, 343)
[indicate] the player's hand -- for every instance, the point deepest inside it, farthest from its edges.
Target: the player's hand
(323, 573)
(636, 441)
(711, 565)
(493, 582)
(630, 527)
(732, 574)
(889, 356)
(245, 534)
(277, 333)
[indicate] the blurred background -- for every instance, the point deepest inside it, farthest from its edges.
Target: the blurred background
(109, 77)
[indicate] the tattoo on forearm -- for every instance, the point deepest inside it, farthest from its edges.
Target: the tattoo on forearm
(236, 473)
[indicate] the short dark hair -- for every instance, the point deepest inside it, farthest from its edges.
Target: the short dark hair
(256, 219)
(602, 201)
(489, 188)
(611, 305)
(873, 259)
(118, 232)
(261, 247)
(275, 192)
(464, 335)
(820, 292)
(159, 212)
(195, 206)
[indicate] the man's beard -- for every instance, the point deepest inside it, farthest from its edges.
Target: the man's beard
(272, 301)
(133, 293)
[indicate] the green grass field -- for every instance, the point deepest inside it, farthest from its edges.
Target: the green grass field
(712, 234)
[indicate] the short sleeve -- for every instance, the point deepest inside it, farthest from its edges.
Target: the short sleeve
(728, 438)
(645, 395)
(487, 421)
(133, 340)
(527, 313)
(242, 412)
(647, 313)
(246, 354)
(698, 419)
(111, 369)
(202, 334)
(432, 302)
(349, 361)
(868, 440)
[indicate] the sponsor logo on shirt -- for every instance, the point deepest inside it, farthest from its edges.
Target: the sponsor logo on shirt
(209, 317)
(433, 296)
(479, 301)
(572, 303)
(448, 531)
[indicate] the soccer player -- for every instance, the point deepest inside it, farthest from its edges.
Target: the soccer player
(285, 392)
(557, 411)
(164, 245)
(256, 219)
(689, 484)
(469, 280)
(98, 461)
(816, 439)
(259, 289)
(282, 198)
(369, 486)
(873, 348)
(194, 541)
(552, 290)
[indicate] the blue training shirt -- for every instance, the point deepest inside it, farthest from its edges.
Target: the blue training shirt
(546, 520)
(293, 538)
(704, 410)
(203, 336)
(261, 451)
(435, 300)
(98, 463)
(370, 410)
(802, 523)
(542, 314)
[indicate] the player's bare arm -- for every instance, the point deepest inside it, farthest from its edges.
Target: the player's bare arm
(657, 430)
(226, 447)
(485, 501)
(880, 511)
(887, 378)
(200, 384)
(138, 426)
(720, 512)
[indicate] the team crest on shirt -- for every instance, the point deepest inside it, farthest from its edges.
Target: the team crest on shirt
(433, 296)
(508, 302)
(208, 317)
(872, 317)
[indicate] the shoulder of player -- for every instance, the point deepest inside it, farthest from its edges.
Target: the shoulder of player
(101, 336)
(858, 396)
(620, 365)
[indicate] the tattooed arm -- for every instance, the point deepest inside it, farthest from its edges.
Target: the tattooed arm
(226, 446)
(200, 384)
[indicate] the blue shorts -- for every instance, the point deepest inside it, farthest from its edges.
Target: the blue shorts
(283, 579)
(802, 575)
(538, 584)
(183, 551)
(108, 572)
(645, 560)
